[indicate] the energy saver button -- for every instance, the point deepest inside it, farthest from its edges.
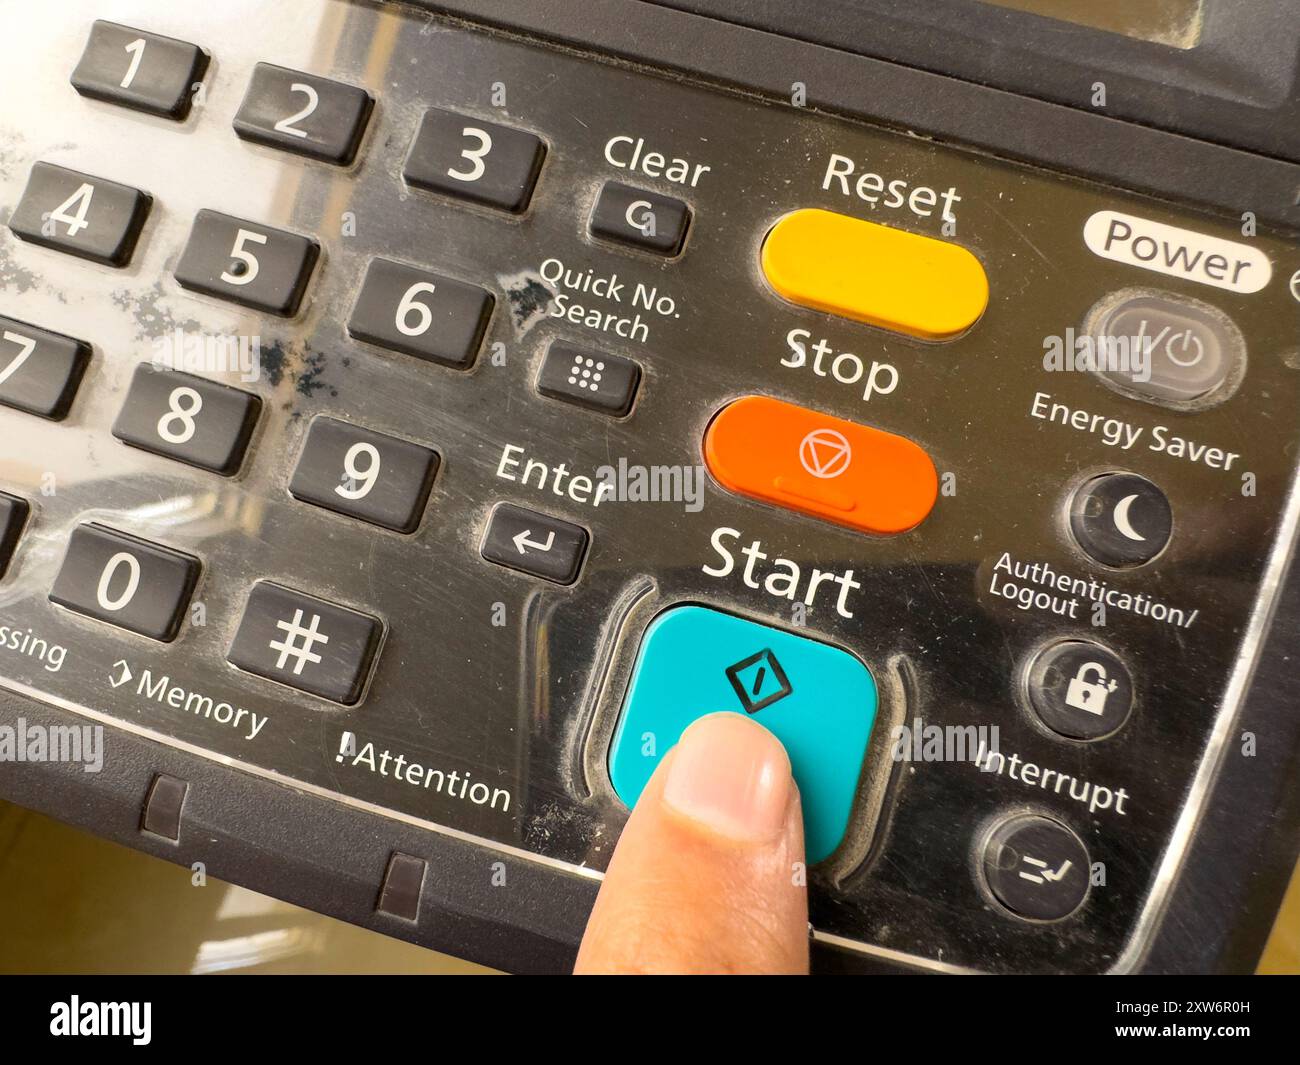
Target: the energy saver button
(1121, 519)
(885, 277)
(1037, 868)
(822, 466)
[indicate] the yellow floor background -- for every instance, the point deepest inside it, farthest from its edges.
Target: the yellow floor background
(73, 903)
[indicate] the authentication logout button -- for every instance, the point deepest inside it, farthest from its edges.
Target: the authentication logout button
(1121, 519)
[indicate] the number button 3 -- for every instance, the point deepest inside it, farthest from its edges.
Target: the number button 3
(304, 114)
(406, 309)
(470, 159)
(252, 265)
(84, 216)
(126, 582)
(364, 474)
(187, 418)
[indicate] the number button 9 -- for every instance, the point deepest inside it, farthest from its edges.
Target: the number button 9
(474, 160)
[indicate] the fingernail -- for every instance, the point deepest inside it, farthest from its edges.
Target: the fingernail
(733, 776)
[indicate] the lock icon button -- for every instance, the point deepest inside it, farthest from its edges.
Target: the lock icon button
(1089, 695)
(1079, 689)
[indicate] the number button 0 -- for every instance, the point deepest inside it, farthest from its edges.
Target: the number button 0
(126, 582)
(462, 156)
(142, 71)
(419, 313)
(82, 215)
(304, 114)
(187, 418)
(39, 370)
(364, 474)
(252, 265)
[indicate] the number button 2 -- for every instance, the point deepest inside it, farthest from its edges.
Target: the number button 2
(84, 216)
(139, 70)
(187, 418)
(304, 114)
(470, 159)
(127, 582)
(249, 264)
(364, 474)
(419, 313)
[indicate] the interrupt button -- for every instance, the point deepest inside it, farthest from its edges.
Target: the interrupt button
(1168, 349)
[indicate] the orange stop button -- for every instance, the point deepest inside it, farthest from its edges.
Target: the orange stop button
(826, 467)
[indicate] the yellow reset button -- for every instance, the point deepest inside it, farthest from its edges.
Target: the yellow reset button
(886, 277)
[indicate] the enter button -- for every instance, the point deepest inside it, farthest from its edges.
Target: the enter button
(822, 466)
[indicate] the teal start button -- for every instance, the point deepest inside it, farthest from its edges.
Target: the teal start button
(819, 701)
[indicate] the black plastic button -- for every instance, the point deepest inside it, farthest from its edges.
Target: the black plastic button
(535, 543)
(1080, 689)
(13, 516)
(39, 370)
(403, 881)
(364, 474)
(306, 643)
(642, 219)
(139, 70)
(126, 582)
(606, 383)
(465, 157)
(89, 217)
(1121, 519)
(1037, 868)
(162, 809)
(419, 313)
(304, 114)
(247, 263)
(195, 421)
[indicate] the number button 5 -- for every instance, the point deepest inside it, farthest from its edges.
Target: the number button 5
(84, 216)
(304, 114)
(249, 264)
(126, 582)
(363, 474)
(418, 313)
(187, 418)
(462, 156)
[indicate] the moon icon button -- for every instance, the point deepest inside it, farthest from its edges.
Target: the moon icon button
(1121, 519)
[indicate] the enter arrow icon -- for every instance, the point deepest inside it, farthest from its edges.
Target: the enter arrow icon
(123, 677)
(522, 542)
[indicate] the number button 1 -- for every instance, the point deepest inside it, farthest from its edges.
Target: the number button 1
(419, 313)
(142, 71)
(366, 475)
(39, 370)
(304, 114)
(462, 156)
(126, 582)
(187, 418)
(249, 264)
(84, 216)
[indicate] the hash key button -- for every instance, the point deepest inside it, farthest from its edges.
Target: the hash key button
(124, 581)
(641, 219)
(247, 263)
(304, 114)
(39, 370)
(474, 160)
(535, 543)
(606, 383)
(187, 418)
(364, 474)
(139, 70)
(85, 216)
(307, 643)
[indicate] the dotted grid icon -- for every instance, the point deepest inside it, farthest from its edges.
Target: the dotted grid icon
(586, 373)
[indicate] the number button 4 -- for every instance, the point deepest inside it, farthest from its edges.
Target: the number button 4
(142, 71)
(363, 474)
(249, 264)
(304, 114)
(126, 582)
(418, 313)
(39, 370)
(465, 157)
(187, 418)
(84, 216)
